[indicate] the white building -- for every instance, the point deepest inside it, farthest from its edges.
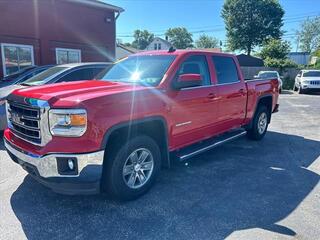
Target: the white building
(302, 58)
(159, 44)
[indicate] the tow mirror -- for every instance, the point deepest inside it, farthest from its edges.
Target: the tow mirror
(188, 80)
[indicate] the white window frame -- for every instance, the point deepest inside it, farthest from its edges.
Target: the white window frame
(3, 45)
(70, 50)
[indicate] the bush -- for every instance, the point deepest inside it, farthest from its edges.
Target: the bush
(280, 63)
(287, 83)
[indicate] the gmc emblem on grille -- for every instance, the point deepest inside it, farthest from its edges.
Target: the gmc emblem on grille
(16, 119)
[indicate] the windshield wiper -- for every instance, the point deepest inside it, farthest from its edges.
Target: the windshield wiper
(25, 84)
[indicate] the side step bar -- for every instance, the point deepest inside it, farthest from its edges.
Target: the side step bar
(206, 145)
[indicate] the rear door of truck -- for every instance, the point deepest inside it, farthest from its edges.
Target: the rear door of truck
(231, 92)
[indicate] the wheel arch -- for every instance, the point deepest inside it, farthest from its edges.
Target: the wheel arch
(266, 100)
(154, 127)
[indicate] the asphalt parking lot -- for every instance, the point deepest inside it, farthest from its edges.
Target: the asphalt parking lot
(242, 190)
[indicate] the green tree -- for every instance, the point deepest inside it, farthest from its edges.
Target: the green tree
(206, 41)
(275, 49)
(179, 37)
(142, 38)
(250, 22)
(309, 35)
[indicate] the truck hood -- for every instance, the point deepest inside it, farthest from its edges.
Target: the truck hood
(76, 91)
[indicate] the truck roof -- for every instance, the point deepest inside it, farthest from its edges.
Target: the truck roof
(179, 52)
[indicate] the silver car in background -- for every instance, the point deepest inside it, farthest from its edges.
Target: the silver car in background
(60, 73)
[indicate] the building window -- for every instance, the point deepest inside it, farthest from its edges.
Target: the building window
(16, 57)
(159, 46)
(155, 46)
(64, 55)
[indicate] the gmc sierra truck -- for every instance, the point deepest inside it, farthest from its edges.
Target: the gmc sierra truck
(113, 135)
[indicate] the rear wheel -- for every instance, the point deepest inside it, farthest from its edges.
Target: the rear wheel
(260, 124)
(132, 168)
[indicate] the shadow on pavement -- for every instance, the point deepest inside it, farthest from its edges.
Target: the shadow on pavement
(240, 185)
(287, 92)
(1, 141)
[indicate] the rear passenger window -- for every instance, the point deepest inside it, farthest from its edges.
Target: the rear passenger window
(196, 64)
(226, 69)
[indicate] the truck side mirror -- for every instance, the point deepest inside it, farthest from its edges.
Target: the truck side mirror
(188, 80)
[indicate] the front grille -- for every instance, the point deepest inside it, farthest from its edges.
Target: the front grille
(315, 82)
(24, 121)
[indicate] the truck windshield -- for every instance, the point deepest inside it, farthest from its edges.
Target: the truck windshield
(311, 74)
(144, 70)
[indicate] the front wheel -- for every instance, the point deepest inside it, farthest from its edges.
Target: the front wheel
(132, 169)
(260, 124)
(301, 91)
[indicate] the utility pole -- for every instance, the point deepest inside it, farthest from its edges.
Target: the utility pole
(298, 43)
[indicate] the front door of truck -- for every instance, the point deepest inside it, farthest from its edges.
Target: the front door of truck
(231, 92)
(192, 108)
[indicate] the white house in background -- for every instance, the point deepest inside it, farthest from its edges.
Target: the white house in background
(302, 58)
(159, 44)
(124, 51)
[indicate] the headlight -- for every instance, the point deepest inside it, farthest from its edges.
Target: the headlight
(68, 122)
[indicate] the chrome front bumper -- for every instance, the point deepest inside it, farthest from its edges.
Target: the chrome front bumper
(47, 165)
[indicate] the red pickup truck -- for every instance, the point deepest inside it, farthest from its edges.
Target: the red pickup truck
(114, 134)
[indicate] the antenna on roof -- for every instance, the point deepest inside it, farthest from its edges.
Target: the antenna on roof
(171, 49)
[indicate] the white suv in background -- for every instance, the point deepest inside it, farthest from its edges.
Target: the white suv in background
(307, 80)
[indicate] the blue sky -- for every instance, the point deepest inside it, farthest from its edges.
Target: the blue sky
(198, 16)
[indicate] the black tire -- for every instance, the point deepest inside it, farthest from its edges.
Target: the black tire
(301, 91)
(254, 133)
(114, 183)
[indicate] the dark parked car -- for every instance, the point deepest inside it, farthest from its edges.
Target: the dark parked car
(57, 74)
(22, 75)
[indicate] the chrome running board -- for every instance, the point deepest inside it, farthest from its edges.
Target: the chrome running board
(196, 149)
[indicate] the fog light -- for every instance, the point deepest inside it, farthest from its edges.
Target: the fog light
(70, 164)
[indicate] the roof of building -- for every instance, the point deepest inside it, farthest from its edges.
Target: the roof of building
(298, 53)
(129, 49)
(99, 4)
(249, 61)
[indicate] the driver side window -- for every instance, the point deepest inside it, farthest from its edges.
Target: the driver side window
(196, 64)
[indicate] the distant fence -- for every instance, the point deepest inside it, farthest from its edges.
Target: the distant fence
(288, 73)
